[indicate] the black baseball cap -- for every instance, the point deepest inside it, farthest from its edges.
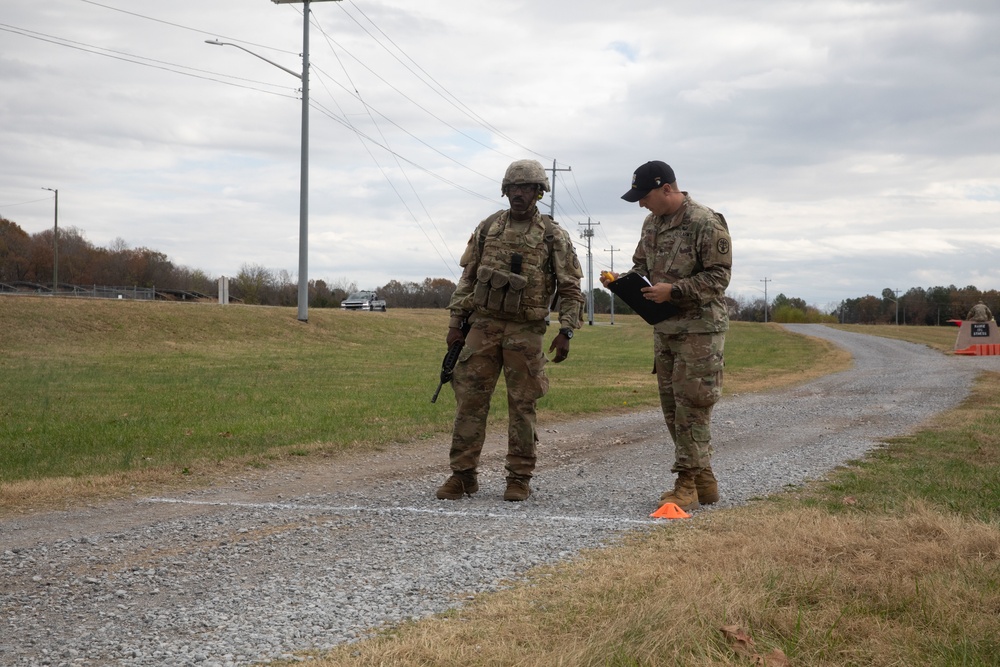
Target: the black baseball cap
(648, 177)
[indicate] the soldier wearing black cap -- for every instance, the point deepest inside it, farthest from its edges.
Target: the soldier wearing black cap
(686, 254)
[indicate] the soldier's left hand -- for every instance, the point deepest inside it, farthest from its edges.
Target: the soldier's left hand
(561, 346)
(454, 335)
(658, 293)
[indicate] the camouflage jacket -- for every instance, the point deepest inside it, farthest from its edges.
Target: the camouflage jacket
(550, 268)
(692, 250)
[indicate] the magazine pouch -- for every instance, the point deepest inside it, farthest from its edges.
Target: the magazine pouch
(482, 292)
(498, 288)
(512, 301)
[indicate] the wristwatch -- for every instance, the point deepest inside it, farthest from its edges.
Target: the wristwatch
(675, 293)
(566, 331)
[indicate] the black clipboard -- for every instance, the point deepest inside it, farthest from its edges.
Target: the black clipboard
(629, 288)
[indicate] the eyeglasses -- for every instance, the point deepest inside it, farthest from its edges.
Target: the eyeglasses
(522, 187)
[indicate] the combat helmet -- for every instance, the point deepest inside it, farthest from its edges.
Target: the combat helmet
(525, 171)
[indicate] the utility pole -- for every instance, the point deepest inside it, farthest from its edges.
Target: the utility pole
(895, 300)
(55, 244)
(766, 280)
(552, 198)
(303, 299)
(612, 250)
(588, 234)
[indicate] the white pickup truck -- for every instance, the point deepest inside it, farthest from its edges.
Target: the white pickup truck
(363, 301)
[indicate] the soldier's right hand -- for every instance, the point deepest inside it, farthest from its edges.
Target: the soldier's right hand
(455, 335)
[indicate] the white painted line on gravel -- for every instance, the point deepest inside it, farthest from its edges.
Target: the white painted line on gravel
(406, 510)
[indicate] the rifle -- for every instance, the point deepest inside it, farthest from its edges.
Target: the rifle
(450, 359)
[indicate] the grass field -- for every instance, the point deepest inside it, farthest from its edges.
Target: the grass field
(97, 388)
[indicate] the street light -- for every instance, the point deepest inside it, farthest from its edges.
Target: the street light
(215, 42)
(55, 245)
(303, 313)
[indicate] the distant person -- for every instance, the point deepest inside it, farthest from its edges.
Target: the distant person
(979, 313)
(517, 260)
(686, 254)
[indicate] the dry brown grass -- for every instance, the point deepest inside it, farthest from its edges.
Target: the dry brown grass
(823, 589)
(59, 492)
(27, 496)
(31, 495)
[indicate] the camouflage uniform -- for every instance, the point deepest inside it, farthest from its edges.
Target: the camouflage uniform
(508, 312)
(691, 249)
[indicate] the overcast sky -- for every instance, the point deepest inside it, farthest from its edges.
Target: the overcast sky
(852, 146)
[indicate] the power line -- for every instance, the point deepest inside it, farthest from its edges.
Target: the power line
(138, 60)
(357, 96)
(211, 76)
(32, 201)
(449, 97)
(343, 121)
(417, 104)
(381, 39)
(581, 204)
(399, 166)
(184, 27)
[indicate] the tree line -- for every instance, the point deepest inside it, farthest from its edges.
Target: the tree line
(933, 306)
(27, 262)
(27, 259)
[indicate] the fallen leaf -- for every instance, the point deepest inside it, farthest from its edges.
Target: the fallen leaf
(741, 642)
(776, 658)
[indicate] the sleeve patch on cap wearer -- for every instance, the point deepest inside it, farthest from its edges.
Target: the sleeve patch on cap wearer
(723, 246)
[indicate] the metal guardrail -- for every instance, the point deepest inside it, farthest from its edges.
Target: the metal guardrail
(91, 291)
(101, 292)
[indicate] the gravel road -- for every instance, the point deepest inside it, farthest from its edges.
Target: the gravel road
(258, 566)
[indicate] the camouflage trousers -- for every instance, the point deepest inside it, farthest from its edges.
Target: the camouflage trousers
(492, 346)
(689, 378)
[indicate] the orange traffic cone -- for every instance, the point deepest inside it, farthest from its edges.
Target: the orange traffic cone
(670, 511)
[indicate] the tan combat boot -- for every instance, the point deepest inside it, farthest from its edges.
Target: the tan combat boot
(460, 483)
(684, 494)
(517, 489)
(708, 488)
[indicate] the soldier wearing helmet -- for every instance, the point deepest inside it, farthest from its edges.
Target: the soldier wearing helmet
(523, 172)
(516, 265)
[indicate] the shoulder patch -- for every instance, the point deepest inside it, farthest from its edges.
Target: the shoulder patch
(723, 246)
